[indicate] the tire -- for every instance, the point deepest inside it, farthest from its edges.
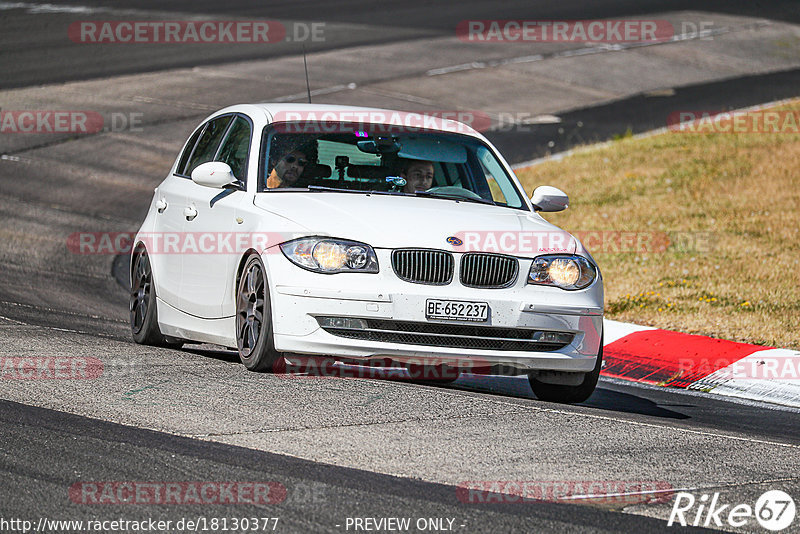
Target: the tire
(569, 394)
(433, 374)
(143, 308)
(254, 339)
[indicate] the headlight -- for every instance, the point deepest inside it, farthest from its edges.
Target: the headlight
(566, 272)
(328, 255)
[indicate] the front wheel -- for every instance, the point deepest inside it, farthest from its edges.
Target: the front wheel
(143, 312)
(569, 394)
(254, 337)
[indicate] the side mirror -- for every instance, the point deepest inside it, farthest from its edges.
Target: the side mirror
(547, 198)
(214, 174)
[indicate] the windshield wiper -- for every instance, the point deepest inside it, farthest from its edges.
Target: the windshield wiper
(340, 190)
(416, 193)
(326, 188)
(453, 197)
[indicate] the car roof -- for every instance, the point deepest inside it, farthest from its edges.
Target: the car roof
(282, 111)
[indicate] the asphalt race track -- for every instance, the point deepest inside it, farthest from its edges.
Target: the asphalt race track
(334, 449)
(34, 54)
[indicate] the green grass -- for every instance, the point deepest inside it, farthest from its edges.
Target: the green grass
(730, 204)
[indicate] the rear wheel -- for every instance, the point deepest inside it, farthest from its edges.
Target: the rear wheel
(143, 310)
(569, 394)
(254, 337)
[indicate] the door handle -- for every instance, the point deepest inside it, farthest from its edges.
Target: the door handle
(190, 212)
(161, 205)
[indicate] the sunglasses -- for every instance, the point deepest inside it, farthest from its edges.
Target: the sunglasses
(291, 159)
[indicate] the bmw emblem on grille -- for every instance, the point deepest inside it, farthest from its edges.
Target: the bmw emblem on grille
(453, 240)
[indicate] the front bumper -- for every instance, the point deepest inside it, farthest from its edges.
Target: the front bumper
(299, 297)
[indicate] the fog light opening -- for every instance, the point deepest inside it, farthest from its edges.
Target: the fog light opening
(350, 323)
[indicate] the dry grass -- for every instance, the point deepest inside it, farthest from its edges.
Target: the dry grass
(732, 203)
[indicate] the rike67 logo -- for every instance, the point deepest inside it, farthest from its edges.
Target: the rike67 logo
(774, 510)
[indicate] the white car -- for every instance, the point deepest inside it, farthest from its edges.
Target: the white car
(300, 229)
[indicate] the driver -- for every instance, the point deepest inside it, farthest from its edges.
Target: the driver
(418, 175)
(287, 170)
(290, 157)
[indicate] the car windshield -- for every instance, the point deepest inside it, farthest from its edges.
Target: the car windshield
(296, 156)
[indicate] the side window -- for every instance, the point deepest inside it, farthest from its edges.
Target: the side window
(501, 189)
(181, 168)
(207, 144)
(235, 148)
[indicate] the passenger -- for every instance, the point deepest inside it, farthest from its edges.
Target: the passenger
(418, 175)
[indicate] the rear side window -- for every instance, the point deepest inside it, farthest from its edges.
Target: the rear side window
(235, 148)
(208, 143)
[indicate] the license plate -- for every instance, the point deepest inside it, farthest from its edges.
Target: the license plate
(456, 310)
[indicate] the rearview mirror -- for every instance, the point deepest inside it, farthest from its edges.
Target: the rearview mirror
(214, 174)
(379, 145)
(548, 198)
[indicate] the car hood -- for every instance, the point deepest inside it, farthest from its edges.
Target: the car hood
(385, 221)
